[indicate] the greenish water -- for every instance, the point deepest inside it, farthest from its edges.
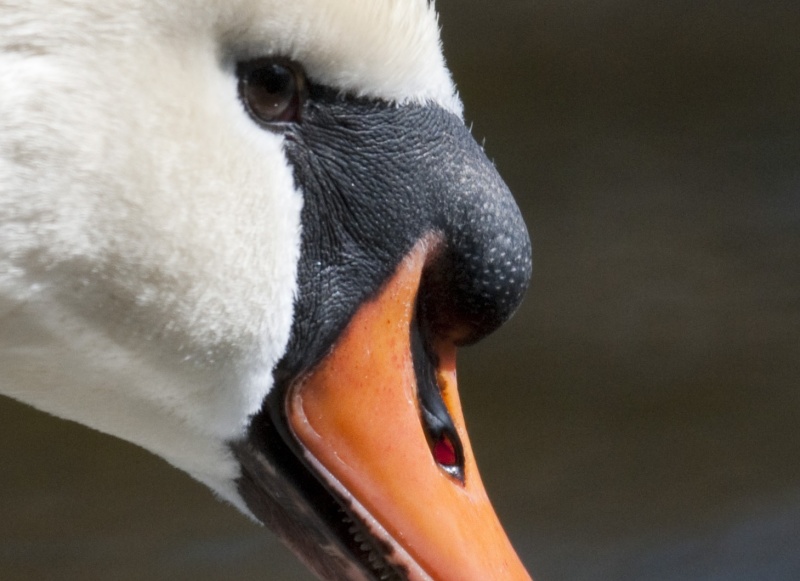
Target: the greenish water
(638, 419)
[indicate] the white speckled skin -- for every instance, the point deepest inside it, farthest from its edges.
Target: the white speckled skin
(149, 230)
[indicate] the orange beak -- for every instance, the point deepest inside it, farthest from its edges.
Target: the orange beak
(358, 418)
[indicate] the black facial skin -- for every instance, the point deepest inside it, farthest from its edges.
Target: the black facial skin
(376, 178)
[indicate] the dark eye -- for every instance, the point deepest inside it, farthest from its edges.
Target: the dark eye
(271, 90)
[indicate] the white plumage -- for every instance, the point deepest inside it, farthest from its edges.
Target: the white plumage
(149, 230)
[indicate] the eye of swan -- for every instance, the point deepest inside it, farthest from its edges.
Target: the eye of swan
(272, 90)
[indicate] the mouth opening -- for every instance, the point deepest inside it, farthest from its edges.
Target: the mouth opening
(362, 462)
(317, 514)
(312, 515)
(365, 537)
(437, 423)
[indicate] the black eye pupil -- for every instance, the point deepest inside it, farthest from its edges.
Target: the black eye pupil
(270, 90)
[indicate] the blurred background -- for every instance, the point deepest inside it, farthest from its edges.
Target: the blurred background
(639, 419)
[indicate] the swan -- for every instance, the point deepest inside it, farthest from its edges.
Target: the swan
(249, 236)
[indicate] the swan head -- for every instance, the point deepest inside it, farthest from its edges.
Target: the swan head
(249, 236)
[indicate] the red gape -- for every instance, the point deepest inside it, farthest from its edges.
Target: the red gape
(444, 453)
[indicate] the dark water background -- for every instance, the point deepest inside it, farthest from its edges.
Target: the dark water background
(640, 417)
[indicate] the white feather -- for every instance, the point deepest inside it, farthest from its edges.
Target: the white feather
(149, 230)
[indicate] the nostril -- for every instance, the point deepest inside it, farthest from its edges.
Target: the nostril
(437, 422)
